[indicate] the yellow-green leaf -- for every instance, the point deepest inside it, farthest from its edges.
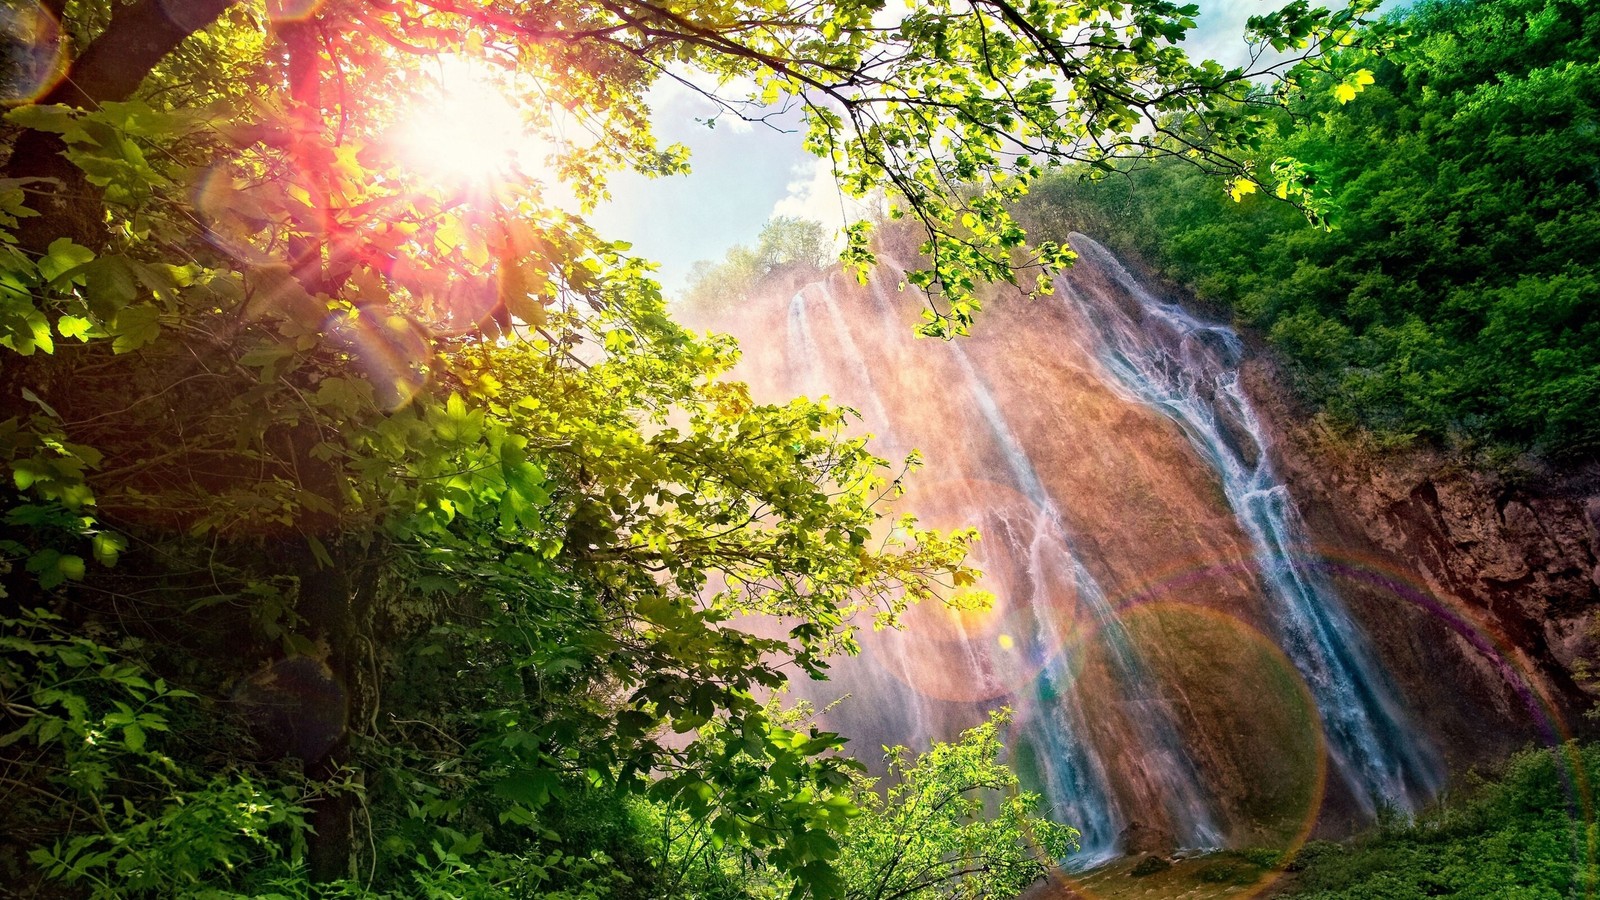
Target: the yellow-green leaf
(134, 327)
(73, 326)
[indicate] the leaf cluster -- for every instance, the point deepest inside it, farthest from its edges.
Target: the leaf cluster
(1522, 833)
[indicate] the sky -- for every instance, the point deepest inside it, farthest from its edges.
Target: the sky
(742, 175)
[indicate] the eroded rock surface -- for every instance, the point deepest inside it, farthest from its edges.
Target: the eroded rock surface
(1510, 563)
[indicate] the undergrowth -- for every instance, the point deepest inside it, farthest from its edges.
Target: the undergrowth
(1527, 834)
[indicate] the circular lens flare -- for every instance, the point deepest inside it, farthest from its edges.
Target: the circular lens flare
(31, 61)
(391, 352)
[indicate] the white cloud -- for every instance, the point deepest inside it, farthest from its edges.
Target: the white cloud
(815, 195)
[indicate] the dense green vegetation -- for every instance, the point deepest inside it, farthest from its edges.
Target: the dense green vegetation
(369, 529)
(1528, 834)
(1455, 298)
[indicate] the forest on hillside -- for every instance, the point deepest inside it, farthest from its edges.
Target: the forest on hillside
(1452, 297)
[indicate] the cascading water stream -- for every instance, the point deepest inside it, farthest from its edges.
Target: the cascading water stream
(1076, 780)
(1168, 772)
(877, 414)
(1189, 371)
(803, 355)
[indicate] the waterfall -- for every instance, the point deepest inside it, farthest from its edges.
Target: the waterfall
(1078, 788)
(1047, 430)
(803, 352)
(1076, 781)
(1189, 371)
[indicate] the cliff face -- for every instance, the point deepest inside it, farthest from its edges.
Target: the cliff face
(1217, 622)
(1483, 594)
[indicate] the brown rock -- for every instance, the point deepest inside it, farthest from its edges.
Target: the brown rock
(1139, 838)
(1507, 567)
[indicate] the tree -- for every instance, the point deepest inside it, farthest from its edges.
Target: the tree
(953, 822)
(786, 244)
(396, 487)
(1449, 304)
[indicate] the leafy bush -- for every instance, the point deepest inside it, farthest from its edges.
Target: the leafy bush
(1455, 298)
(1229, 872)
(952, 822)
(96, 722)
(1527, 834)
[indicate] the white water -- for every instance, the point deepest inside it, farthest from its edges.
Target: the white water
(1189, 371)
(1077, 783)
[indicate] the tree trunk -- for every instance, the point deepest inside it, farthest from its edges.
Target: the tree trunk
(138, 37)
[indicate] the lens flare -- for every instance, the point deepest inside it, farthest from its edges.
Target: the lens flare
(31, 59)
(231, 213)
(1256, 713)
(292, 10)
(391, 352)
(468, 128)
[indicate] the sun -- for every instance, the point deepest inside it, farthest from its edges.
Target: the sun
(469, 128)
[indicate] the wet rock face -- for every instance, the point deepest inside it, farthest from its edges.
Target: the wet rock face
(1513, 570)
(1171, 635)
(1139, 838)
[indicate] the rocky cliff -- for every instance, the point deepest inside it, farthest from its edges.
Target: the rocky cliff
(1482, 588)
(1219, 622)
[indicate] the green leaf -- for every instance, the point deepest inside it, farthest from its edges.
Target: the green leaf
(531, 788)
(54, 118)
(135, 327)
(71, 567)
(26, 330)
(319, 550)
(54, 567)
(1357, 81)
(61, 257)
(73, 327)
(36, 400)
(109, 285)
(266, 355)
(107, 547)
